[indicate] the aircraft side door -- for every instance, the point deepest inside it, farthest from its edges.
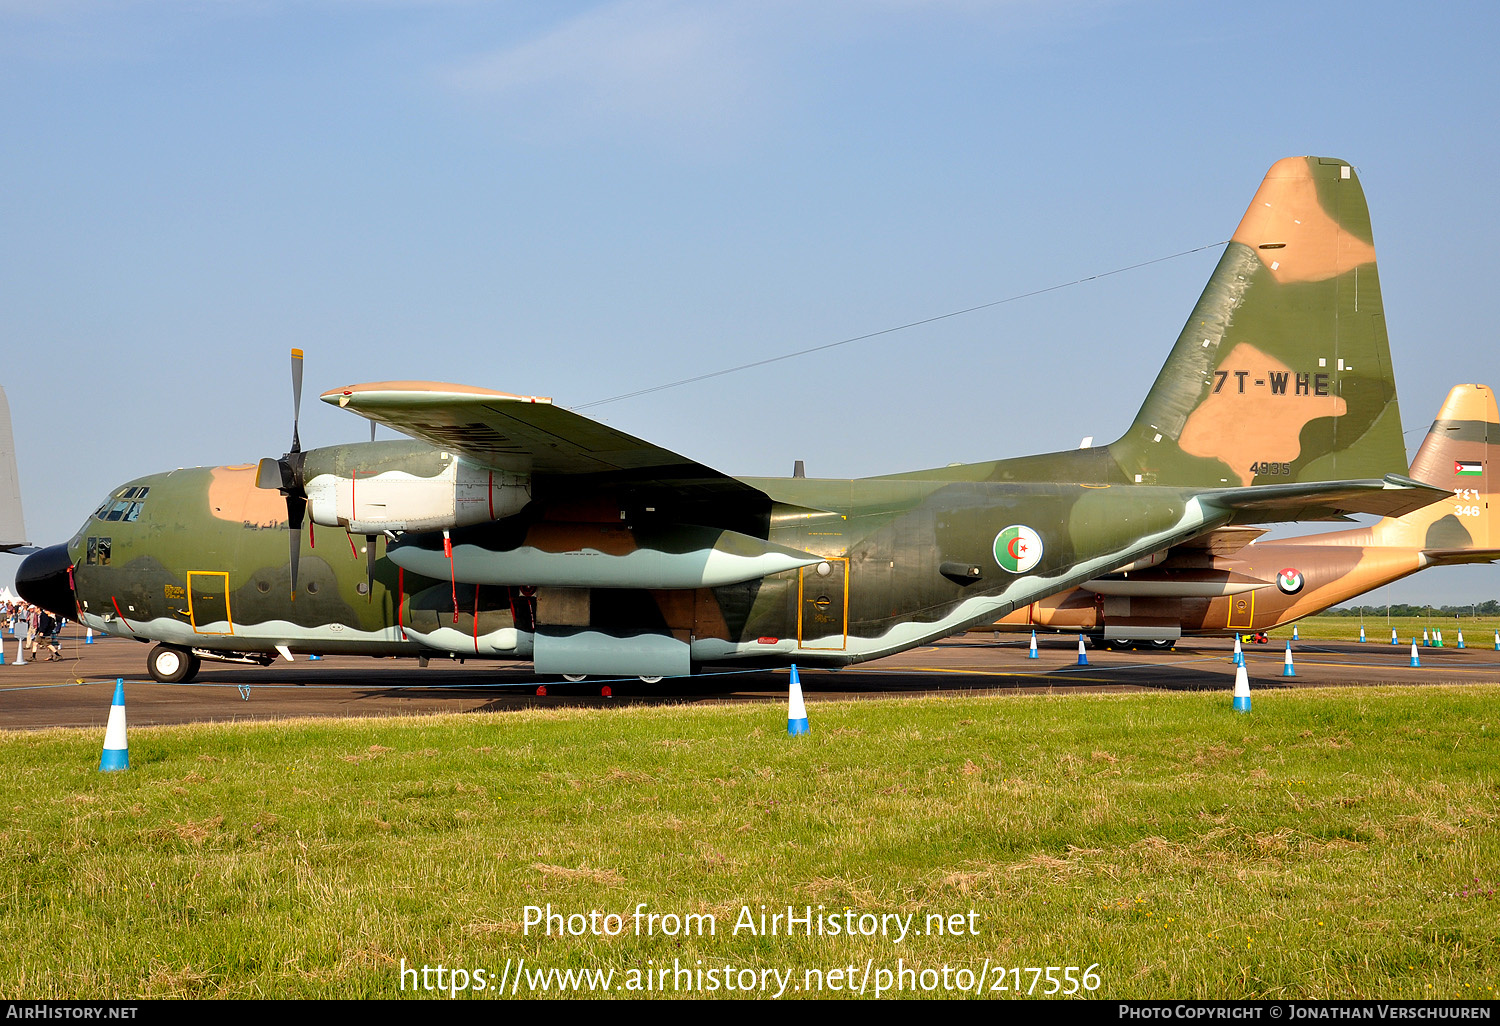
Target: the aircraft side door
(208, 602)
(823, 606)
(1241, 611)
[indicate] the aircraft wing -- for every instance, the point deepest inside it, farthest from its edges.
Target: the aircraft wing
(1226, 541)
(1393, 496)
(528, 434)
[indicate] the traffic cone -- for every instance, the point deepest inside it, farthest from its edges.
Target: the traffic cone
(88, 636)
(1497, 641)
(314, 658)
(1286, 667)
(1083, 659)
(1361, 634)
(1294, 633)
(1393, 637)
(1033, 654)
(1437, 639)
(1460, 639)
(1414, 660)
(21, 651)
(1241, 689)
(796, 711)
(116, 751)
(1426, 638)
(1239, 653)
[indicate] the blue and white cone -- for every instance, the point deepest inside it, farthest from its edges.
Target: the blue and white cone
(1083, 659)
(1294, 633)
(21, 651)
(1393, 637)
(314, 658)
(1414, 660)
(116, 752)
(796, 710)
(1497, 641)
(1241, 689)
(1361, 634)
(1239, 653)
(1286, 667)
(1460, 639)
(1426, 638)
(1032, 653)
(88, 636)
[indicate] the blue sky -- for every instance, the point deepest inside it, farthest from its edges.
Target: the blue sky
(584, 199)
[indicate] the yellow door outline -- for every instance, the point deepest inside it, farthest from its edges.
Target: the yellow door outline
(843, 635)
(1235, 616)
(223, 575)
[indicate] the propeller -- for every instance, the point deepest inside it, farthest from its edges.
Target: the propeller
(286, 475)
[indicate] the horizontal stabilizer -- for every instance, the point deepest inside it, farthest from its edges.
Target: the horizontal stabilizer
(1393, 496)
(1456, 557)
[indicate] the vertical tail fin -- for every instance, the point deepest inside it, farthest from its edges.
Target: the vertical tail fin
(1283, 371)
(1458, 453)
(12, 523)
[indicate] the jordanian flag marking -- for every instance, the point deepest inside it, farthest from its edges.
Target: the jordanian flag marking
(1018, 549)
(1463, 469)
(1289, 580)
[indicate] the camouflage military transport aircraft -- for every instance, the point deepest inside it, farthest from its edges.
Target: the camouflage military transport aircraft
(1226, 582)
(512, 528)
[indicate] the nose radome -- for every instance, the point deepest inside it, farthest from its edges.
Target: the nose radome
(42, 580)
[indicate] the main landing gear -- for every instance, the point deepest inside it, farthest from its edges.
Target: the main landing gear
(171, 665)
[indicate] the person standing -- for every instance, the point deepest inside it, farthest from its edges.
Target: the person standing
(33, 622)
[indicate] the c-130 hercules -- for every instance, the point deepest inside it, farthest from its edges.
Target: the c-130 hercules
(511, 528)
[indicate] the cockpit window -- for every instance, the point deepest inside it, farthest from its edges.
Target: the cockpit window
(124, 506)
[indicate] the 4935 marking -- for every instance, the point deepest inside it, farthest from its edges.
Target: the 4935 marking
(1272, 469)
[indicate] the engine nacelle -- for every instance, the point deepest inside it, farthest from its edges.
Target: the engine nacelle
(433, 492)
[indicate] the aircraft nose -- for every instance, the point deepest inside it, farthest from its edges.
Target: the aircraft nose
(42, 580)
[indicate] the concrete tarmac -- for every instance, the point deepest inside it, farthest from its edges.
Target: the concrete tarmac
(77, 691)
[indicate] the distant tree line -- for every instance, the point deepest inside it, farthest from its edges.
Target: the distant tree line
(1490, 608)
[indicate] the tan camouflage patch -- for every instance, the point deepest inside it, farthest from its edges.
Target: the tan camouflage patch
(232, 496)
(1255, 426)
(1285, 214)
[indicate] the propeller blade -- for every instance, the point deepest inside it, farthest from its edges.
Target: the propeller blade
(296, 397)
(296, 508)
(370, 544)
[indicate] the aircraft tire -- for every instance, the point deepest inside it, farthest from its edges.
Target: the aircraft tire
(1163, 644)
(171, 665)
(650, 680)
(574, 678)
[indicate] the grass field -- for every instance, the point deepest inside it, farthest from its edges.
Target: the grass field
(1478, 633)
(1332, 843)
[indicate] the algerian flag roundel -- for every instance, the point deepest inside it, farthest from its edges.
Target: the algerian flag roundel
(1018, 549)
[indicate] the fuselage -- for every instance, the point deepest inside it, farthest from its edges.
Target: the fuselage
(198, 558)
(1294, 578)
